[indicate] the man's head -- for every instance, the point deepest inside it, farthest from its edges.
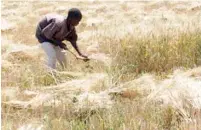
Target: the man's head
(74, 16)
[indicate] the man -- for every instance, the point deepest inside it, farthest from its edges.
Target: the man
(53, 29)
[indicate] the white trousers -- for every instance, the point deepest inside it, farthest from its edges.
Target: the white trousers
(54, 53)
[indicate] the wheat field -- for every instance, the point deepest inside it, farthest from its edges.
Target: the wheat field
(144, 72)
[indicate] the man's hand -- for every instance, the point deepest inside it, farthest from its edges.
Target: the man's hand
(63, 46)
(83, 57)
(86, 57)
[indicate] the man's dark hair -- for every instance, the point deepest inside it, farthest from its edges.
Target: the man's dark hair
(74, 13)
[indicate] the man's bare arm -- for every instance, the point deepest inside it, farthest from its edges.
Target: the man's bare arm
(74, 44)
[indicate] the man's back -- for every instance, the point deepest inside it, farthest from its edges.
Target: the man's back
(48, 18)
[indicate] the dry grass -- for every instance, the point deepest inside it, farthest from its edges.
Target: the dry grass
(129, 43)
(156, 54)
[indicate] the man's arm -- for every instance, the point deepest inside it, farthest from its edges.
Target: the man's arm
(72, 38)
(74, 44)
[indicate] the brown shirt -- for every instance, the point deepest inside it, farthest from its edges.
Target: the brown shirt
(53, 28)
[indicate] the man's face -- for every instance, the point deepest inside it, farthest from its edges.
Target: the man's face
(75, 22)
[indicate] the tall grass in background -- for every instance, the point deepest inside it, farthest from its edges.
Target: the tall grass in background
(153, 53)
